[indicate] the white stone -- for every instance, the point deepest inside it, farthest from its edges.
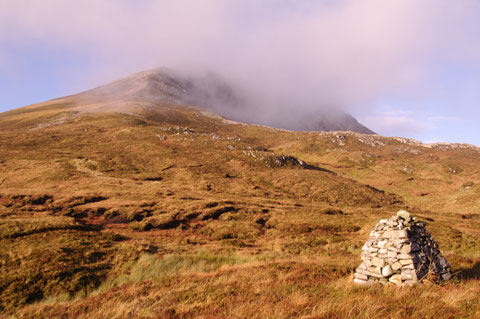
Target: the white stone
(396, 279)
(363, 272)
(362, 266)
(396, 266)
(392, 254)
(361, 282)
(406, 249)
(378, 262)
(368, 262)
(382, 243)
(390, 261)
(409, 275)
(377, 273)
(404, 214)
(400, 242)
(387, 271)
(394, 249)
(358, 281)
(394, 234)
(410, 248)
(361, 276)
(406, 261)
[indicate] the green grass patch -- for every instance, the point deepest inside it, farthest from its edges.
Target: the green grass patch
(152, 267)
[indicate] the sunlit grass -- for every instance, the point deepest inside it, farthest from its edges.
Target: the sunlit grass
(192, 225)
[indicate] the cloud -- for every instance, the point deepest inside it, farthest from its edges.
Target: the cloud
(396, 122)
(396, 113)
(388, 125)
(441, 118)
(308, 55)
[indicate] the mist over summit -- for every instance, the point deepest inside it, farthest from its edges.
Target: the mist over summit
(214, 93)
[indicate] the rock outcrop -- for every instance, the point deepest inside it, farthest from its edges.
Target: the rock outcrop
(401, 251)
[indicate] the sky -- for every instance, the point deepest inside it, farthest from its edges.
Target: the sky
(408, 68)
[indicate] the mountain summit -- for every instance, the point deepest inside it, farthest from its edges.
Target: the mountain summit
(215, 94)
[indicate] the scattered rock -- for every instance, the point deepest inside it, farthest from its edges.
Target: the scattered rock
(467, 186)
(339, 139)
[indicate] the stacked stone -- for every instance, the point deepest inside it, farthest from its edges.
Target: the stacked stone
(401, 251)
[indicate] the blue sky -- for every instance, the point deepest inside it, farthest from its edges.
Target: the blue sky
(447, 113)
(402, 67)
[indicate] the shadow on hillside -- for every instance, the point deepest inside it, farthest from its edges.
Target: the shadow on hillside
(469, 273)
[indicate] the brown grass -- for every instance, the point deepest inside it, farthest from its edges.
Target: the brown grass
(102, 218)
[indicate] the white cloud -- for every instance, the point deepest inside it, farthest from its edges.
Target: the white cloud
(401, 122)
(398, 113)
(388, 125)
(441, 118)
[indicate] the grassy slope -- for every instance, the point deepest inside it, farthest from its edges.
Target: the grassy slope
(108, 215)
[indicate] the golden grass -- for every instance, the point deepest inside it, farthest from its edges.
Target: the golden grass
(280, 289)
(204, 224)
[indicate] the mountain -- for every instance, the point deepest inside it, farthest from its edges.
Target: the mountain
(215, 94)
(130, 200)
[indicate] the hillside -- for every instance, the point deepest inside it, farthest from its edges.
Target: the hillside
(138, 206)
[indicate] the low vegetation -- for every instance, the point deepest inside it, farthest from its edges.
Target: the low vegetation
(177, 214)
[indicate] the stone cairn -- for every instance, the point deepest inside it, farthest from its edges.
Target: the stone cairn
(401, 251)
